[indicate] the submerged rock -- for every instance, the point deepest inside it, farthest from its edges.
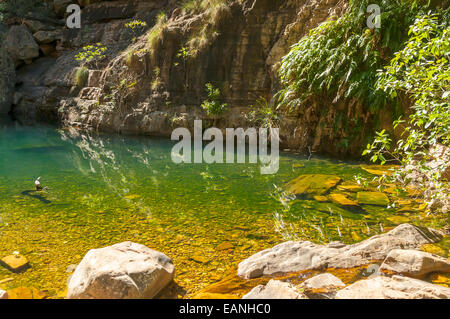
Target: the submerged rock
(372, 198)
(122, 271)
(26, 293)
(294, 256)
(341, 199)
(321, 199)
(413, 263)
(350, 187)
(15, 263)
(312, 184)
(380, 169)
(274, 289)
(395, 287)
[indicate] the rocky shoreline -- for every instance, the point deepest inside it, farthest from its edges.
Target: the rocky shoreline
(400, 270)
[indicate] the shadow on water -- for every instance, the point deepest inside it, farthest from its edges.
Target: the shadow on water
(33, 194)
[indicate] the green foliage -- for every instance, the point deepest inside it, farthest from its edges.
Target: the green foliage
(135, 26)
(81, 76)
(212, 106)
(155, 32)
(422, 71)
(340, 57)
(263, 114)
(196, 6)
(91, 53)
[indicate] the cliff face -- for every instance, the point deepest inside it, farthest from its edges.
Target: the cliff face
(144, 85)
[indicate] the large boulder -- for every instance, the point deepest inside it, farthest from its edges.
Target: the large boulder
(122, 271)
(3, 294)
(323, 281)
(274, 289)
(395, 287)
(20, 44)
(294, 256)
(413, 263)
(323, 286)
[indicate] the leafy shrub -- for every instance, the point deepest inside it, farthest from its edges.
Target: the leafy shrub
(422, 71)
(212, 106)
(263, 114)
(340, 57)
(136, 26)
(92, 53)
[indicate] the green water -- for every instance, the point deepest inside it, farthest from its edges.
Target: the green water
(107, 189)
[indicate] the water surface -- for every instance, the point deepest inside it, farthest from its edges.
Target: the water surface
(105, 189)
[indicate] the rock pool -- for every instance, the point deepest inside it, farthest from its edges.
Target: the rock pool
(105, 189)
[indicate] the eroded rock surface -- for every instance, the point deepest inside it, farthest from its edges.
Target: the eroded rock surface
(413, 263)
(295, 256)
(395, 287)
(325, 280)
(7, 79)
(20, 44)
(122, 271)
(274, 289)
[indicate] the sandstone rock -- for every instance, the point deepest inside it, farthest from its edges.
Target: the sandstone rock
(322, 199)
(398, 219)
(294, 256)
(274, 289)
(372, 198)
(60, 6)
(210, 295)
(350, 187)
(312, 184)
(26, 293)
(225, 246)
(20, 43)
(122, 271)
(395, 287)
(43, 37)
(94, 78)
(380, 169)
(341, 199)
(15, 263)
(36, 26)
(325, 280)
(3, 294)
(413, 263)
(47, 49)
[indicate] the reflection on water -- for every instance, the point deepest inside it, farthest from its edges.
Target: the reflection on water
(104, 189)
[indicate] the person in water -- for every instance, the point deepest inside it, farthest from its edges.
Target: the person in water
(37, 183)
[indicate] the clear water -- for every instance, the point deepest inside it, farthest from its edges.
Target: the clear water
(105, 189)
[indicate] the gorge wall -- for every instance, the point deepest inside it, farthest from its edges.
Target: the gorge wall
(144, 86)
